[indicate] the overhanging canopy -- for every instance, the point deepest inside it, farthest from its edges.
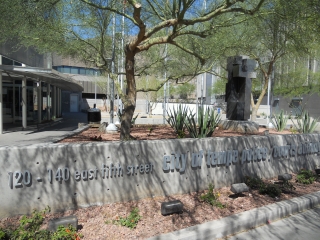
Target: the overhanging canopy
(50, 76)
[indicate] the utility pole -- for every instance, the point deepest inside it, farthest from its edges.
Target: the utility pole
(95, 87)
(203, 74)
(112, 128)
(165, 86)
(112, 70)
(122, 56)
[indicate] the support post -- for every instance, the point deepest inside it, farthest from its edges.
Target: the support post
(39, 102)
(48, 101)
(24, 102)
(54, 102)
(1, 109)
(14, 102)
(60, 105)
(58, 102)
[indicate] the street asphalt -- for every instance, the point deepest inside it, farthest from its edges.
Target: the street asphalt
(300, 226)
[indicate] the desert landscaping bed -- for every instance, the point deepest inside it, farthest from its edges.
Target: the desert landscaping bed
(97, 222)
(153, 132)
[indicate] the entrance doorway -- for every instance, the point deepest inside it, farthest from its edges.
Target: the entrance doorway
(74, 102)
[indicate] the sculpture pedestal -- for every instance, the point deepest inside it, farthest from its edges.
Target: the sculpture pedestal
(239, 126)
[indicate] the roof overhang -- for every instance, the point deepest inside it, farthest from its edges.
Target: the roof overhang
(50, 76)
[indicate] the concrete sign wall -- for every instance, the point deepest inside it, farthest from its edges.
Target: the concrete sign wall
(66, 176)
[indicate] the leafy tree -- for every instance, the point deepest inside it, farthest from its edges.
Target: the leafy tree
(183, 91)
(82, 28)
(287, 32)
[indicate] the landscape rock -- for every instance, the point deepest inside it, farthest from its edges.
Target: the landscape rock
(285, 177)
(64, 221)
(239, 188)
(239, 126)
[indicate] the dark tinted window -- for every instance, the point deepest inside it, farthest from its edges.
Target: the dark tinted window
(6, 61)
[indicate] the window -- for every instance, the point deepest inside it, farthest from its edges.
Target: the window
(89, 72)
(6, 61)
(66, 69)
(74, 70)
(82, 71)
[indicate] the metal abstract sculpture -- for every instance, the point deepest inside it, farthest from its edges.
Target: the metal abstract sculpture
(238, 89)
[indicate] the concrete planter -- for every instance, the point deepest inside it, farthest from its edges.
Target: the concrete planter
(69, 176)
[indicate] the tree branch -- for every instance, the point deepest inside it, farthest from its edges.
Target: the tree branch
(109, 9)
(202, 60)
(139, 22)
(155, 10)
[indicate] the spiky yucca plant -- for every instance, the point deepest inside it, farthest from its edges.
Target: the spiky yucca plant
(305, 124)
(207, 122)
(177, 119)
(279, 121)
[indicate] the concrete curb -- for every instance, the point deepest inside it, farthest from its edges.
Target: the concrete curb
(77, 131)
(245, 220)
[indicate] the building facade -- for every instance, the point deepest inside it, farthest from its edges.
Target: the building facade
(30, 90)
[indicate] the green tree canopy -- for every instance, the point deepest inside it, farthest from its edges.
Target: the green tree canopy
(83, 29)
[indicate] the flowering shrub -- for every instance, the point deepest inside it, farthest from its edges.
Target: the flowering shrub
(212, 198)
(131, 221)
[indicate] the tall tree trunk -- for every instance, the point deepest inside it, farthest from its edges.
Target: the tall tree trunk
(130, 99)
(254, 109)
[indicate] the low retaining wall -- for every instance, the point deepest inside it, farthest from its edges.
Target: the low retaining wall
(67, 176)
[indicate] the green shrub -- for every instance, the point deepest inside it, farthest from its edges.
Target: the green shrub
(207, 122)
(212, 198)
(306, 176)
(287, 186)
(253, 182)
(65, 233)
(3, 234)
(279, 121)
(29, 228)
(264, 188)
(130, 221)
(305, 124)
(177, 119)
(270, 189)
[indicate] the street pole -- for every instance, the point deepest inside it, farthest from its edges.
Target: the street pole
(165, 86)
(112, 70)
(202, 85)
(112, 128)
(95, 88)
(164, 101)
(122, 57)
(268, 100)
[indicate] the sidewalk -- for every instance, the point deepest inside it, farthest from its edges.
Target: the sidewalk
(221, 228)
(47, 133)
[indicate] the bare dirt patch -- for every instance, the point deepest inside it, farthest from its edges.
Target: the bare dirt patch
(152, 132)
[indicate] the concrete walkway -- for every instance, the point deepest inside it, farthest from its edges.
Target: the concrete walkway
(221, 228)
(303, 225)
(13, 135)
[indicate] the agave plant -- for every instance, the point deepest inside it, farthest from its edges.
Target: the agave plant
(305, 124)
(207, 122)
(279, 121)
(177, 119)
